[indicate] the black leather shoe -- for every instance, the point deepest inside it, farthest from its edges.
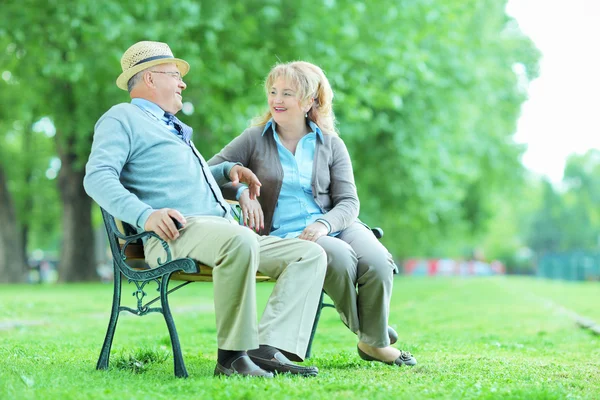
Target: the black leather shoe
(242, 366)
(279, 364)
(405, 358)
(393, 335)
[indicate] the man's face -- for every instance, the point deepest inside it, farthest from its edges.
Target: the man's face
(168, 86)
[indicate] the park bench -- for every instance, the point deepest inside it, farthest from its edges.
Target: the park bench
(128, 262)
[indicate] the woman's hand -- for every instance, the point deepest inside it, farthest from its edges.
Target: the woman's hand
(252, 213)
(313, 232)
(239, 174)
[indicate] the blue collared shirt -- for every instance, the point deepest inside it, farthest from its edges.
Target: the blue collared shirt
(296, 208)
(156, 112)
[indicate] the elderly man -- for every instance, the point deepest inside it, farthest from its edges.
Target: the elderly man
(145, 170)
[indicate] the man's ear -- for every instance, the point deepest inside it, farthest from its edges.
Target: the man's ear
(147, 78)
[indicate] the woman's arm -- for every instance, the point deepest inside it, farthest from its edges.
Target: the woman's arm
(241, 149)
(238, 150)
(344, 197)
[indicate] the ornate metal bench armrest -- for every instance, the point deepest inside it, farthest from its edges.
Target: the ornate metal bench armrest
(136, 237)
(184, 264)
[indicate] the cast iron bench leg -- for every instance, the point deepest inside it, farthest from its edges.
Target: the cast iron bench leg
(112, 324)
(179, 365)
(314, 328)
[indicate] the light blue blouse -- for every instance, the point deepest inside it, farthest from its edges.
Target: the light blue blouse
(296, 207)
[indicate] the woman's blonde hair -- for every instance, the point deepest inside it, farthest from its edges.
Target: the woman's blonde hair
(310, 82)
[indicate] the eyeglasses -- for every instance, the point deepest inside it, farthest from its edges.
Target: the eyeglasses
(175, 75)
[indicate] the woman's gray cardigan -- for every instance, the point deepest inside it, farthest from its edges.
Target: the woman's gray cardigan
(332, 177)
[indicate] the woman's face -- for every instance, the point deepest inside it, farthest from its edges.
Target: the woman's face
(284, 103)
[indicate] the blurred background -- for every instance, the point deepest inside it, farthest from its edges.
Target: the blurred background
(472, 125)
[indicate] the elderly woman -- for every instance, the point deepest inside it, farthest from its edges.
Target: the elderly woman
(308, 192)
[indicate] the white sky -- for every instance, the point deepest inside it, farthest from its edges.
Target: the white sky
(561, 116)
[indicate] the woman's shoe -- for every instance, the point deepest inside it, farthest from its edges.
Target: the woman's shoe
(405, 358)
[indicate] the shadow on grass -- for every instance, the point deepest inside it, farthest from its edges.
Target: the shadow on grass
(340, 361)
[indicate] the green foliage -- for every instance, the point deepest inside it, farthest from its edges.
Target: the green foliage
(445, 147)
(547, 223)
(26, 153)
(506, 234)
(569, 219)
(427, 96)
(75, 59)
(542, 218)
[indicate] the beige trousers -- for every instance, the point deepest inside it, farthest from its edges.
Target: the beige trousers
(235, 253)
(359, 280)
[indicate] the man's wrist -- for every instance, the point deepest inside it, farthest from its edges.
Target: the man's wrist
(143, 218)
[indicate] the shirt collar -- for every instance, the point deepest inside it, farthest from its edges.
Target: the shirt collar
(149, 106)
(315, 128)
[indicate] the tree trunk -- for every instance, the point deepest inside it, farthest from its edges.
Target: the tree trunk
(77, 259)
(77, 256)
(13, 267)
(29, 153)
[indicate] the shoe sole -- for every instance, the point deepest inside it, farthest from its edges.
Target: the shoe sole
(302, 371)
(221, 373)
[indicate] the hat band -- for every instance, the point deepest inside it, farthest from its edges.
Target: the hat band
(150, 59)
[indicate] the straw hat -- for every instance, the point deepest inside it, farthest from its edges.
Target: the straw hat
(147, 54)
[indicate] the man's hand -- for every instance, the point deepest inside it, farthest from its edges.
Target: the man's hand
(313, 232)
(252, 213)
(239, 174)
(160, 222)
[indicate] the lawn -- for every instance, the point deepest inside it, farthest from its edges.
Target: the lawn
(473, 337)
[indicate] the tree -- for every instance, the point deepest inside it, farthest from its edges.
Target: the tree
(546, 227)
(12, 254)
(427, 97)
(582, 201)
(73, 61)
(427, 100)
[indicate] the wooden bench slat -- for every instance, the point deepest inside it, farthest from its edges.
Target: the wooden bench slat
(136, 252)
(205, 275)
(182, 276)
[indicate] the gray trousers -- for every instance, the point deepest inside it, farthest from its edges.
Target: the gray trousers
(235, 253)
(359, 280)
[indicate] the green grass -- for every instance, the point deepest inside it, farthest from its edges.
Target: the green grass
(474, 338)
